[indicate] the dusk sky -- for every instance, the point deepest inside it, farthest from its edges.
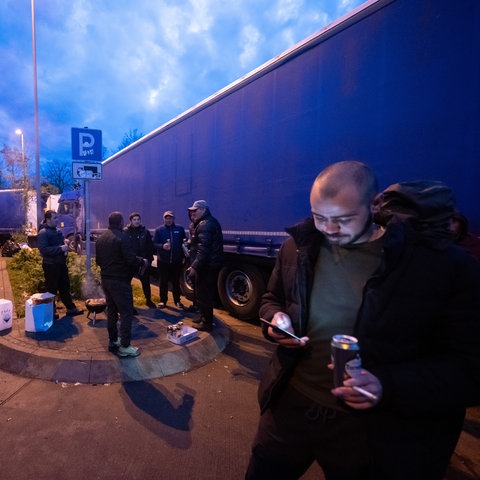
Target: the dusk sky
(118, 65)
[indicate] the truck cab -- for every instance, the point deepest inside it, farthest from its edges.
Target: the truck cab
(71, 218)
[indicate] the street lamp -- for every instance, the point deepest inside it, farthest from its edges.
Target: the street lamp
(18, 131)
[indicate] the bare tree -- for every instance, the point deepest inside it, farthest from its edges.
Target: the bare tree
(59, 174)
(15, 174)
(130, 137)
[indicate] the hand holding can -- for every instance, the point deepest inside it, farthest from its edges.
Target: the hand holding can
(346, 360)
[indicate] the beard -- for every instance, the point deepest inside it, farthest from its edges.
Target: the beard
(345, 240)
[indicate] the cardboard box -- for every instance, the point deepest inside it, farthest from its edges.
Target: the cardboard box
(6, 314)
(188, 334)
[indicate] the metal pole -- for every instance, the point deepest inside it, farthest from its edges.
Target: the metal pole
(87, 226)
(38, 187)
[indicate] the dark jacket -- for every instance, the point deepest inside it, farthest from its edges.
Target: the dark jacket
(115, 255)
(176, 235)
(50, 240)
(141, 240)
(419, 332)
(206, 243)
(464, 238)
(419, 322)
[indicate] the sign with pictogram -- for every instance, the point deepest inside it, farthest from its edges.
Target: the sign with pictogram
(87, 171)
(86, 144)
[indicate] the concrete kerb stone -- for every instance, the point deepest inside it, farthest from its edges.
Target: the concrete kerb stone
(75, 350)
(53, 365)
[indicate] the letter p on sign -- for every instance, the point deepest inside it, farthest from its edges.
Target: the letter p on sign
(86, 144)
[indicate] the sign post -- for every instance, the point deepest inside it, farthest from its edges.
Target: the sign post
(87, 147)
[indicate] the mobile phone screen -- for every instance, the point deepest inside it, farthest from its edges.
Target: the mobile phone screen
(279, 330)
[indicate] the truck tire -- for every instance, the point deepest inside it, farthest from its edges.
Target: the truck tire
(186, 284)
(75, 244)
(240, 289)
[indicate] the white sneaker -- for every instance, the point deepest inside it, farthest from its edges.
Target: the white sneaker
(129, 351)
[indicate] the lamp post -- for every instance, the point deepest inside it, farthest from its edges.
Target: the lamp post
(38, 187)
(18, 131)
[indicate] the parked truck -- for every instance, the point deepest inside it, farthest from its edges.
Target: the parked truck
(12, 211)
(71, 217)
(18, 210)
(395, 84)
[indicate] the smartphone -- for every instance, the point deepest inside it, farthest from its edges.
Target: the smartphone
(279, 330)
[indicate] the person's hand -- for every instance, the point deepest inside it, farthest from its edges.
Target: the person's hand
(283, 320)
(360, 392)
(166, 246)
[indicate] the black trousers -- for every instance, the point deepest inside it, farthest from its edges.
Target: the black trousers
(297, 431)
(169, 272)
(205, 290)
(58, 281)
(364, 445)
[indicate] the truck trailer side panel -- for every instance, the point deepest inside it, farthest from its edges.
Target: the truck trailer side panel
(393, 84)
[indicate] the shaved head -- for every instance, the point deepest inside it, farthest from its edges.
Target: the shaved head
(346, 175)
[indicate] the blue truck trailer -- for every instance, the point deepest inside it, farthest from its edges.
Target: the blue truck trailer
(395, 84)
(12, 211)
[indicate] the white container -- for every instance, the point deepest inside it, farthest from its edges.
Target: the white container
(188, 333)
(6, 314)
(39, 316)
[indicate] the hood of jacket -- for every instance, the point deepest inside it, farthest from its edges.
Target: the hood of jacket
(423, 207)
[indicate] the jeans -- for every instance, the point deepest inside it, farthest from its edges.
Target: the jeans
(119, 299)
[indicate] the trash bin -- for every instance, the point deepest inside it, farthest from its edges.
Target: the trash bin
(6, 314)
(39, 312)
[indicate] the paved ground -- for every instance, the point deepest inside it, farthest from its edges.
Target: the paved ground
(197, 422)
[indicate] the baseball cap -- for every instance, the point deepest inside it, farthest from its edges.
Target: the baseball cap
(198, 204)
(168, 213)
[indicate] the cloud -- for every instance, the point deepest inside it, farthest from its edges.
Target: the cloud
(118, 65)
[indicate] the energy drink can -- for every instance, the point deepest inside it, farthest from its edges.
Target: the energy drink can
(346, 360)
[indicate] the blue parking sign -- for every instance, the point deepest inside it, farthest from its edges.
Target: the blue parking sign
(86, 144)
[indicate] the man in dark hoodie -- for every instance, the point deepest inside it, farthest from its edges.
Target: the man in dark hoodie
(411, 299)
(54, 250)
(141, 240)
(116, 259)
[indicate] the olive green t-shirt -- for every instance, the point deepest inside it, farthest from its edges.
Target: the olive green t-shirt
(340, 276)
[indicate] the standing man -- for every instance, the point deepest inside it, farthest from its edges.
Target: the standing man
(141, 240)
(168, 240)
(409, 296)
(54, 250)
(117, 260)
(206, 251)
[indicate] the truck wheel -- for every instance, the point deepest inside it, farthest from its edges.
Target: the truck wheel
(185, 284)
(240, 289)
(75, 244)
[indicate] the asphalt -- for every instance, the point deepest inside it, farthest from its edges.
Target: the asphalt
(75, 349)
(69, 410)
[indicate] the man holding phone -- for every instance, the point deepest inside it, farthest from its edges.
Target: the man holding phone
(408, 295)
